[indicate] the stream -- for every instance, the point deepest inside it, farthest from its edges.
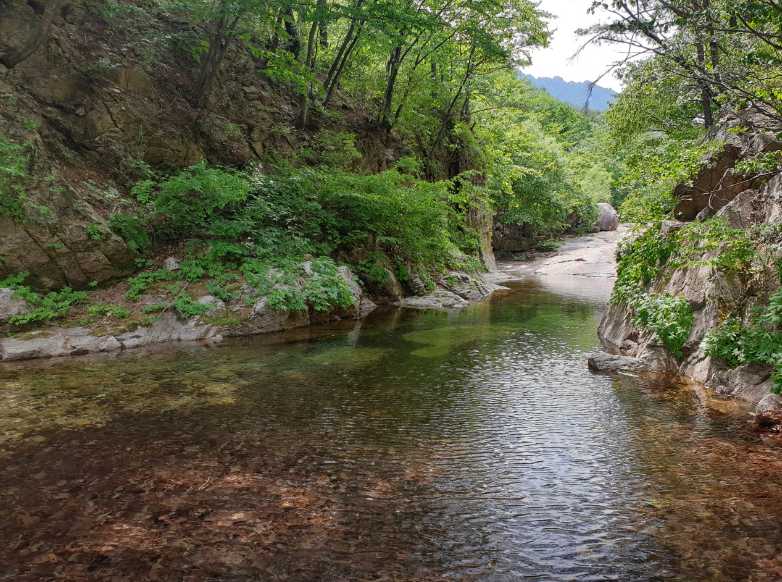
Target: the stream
(409, 446)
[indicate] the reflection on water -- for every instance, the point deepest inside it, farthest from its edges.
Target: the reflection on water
(415, 446)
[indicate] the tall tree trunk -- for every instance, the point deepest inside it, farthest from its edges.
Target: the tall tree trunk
(394, 62)
(309, 63)
(218, 44)
(703, 83)
(293, 45)
(345, 48)
(333, 81)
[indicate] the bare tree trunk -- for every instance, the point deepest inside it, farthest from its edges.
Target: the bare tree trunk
(343, 53)
(309, 63)
(706, 95)
(394, 62)
(333, 82)
(294, 42)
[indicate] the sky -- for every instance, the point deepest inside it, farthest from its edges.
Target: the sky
(555, 60)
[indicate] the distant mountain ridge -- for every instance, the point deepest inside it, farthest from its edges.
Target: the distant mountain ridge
(572, 92)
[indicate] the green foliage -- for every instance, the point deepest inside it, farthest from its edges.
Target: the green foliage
(139, 284)
(762, 164)
(94, 232)
(190, 199)
(13, 175)
(98, 310)
(326, 288)
(542, 173)
(758, 342)
(187, 307)
(132, 230)
(41, 308)
(733, 248)
(336, 149)
(670, 318)
(640, 262)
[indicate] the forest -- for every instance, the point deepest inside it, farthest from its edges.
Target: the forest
(393, 137)
(329, 290)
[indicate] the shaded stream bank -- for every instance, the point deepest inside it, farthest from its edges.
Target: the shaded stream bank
(409, 446)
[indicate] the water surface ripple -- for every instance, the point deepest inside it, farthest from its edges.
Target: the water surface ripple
(472, 446)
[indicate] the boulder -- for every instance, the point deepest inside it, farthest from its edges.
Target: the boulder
(264, 319)
(605, 362)
(768, 412)
(439, 300)
(11, 305)
(607, 217)
(167, 328)
(62, 342)
(171, 264)
(468, 287)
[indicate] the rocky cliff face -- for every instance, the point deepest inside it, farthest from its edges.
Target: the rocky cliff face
(94, 92)
(753, 206)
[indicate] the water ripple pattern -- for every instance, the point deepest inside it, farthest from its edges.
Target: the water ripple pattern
(472, 446)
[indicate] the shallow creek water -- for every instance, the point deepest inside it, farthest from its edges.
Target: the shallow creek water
(412, 446)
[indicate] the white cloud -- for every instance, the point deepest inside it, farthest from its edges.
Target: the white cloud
(569, 16)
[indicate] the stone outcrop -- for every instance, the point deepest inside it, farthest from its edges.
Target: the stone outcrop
(231, 319)
(710, 292)
(92, 105)
(718, 183)
(454, 291)
(607, 218)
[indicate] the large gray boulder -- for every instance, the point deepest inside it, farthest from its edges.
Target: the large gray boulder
(51, 344)
(607, 217)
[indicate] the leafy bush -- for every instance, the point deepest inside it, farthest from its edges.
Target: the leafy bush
(108, 310)
(52, 305)
(670, 318)
(132, 230)
(759, 342)
(194, 197)
(13, 173)
(335, 149)
(733, 247)
(640, 261)
(139, 284)
(94, 232)
(326, 289)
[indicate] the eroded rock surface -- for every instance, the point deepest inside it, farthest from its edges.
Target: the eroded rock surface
(607, 217)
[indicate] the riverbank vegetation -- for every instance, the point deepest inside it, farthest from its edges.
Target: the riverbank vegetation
(403, 130)
(699, 76)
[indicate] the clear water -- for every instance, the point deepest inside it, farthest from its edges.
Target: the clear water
(413, 446)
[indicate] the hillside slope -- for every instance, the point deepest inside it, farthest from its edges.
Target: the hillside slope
(574, 93)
